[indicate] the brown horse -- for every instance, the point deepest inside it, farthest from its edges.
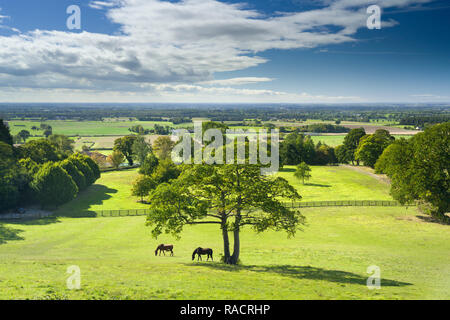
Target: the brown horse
(163, 248)
(200, 251)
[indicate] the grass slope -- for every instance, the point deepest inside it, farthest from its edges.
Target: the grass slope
(327, 261)
(337, 183)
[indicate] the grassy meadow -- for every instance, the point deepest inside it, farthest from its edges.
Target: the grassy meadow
(336, 140)
(327, 260)
(332, 183)
(85, 128)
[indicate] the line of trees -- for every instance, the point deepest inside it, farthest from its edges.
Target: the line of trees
(224, 112)
(361, 147)
(323, 128)
(42, 171)
(298, 148)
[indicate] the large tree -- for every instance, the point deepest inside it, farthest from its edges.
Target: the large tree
(5, 135)
(149, 165)
(419, 168)
(351, 143)
(163, 147)
(116, 159)
(40, 151)
(125, 146)
(230, 196)
(23, 135)
(297, 148)
(372, 146)
(64, 144)
(303, 172)
(9, 191)
(142, 186)
(141, 149)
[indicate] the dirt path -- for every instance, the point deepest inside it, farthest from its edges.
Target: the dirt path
(380, 177)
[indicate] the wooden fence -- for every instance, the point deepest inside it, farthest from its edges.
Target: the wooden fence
(145, 212)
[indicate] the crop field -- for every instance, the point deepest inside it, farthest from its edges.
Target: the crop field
(327, 260)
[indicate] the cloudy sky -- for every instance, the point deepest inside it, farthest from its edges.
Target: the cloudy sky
(225, 51)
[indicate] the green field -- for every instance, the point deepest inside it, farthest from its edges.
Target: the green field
(328, 260)
(84, 128)
(337, 183)
(336, 140)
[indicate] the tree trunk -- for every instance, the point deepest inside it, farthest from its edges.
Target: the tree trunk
(226, 243)
(237, 243)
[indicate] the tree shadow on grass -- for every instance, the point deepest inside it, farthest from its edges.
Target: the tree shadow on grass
(35, 222)
(318, 185)
(431, 219)
(9, 234)
(80, 206)
(303, 272)
(77, 208)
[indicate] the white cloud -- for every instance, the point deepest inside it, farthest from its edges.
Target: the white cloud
(168, 93)
(174, 43)
(103, 4)
(430, 97)
(236, 81)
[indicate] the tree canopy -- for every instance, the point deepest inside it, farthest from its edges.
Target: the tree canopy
(125, 146)
(372, 146)
(230, 196)
(419, 168)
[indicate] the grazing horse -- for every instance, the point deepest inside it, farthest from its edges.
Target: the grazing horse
(200, 251)
(163, 248)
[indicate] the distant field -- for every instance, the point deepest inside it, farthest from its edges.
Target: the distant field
(84, 128)
(104, 142)
(370, 127)
(335, 140)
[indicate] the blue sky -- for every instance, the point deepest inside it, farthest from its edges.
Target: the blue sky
(225, 51)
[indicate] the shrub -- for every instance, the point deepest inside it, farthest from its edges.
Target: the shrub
(77, 175)
(53, 185)
(84, 168)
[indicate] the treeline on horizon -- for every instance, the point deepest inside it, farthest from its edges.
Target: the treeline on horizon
(404, 115)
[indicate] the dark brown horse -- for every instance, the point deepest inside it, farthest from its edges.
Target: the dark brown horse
(163, 248)
(200, 251)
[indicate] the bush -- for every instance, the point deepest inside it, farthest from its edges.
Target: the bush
(53, 185)
(84, 168)
(93, 165)
(77, 175)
